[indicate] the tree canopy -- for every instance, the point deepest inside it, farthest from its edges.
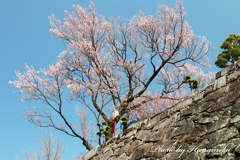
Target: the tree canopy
(231, 51)
(135, 67)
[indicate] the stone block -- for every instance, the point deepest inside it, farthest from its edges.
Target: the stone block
(157, 118)
(181, 105)
(235, 119)
(214, 95)
(233, 76)
(140, 124)
(222, 136)
(163, 123)
(221, 123)
(197, 108)
(124, 148)
(142, 134)
(161, 134)
(236, 108)
(188, 127)
(108, 147)
(89, 154)
(225, 71)
(98, 157)
(218, 154)
(203, 106)
(140, 151)
(208, 89)
(218, 75)
(220, 82)
(123, 157)
(198, 96)
(221, 103)
(107, 154)
(237, 149)
(205, 120)
(179, 123)
(233, 143)
(118, 145)
(132, 147)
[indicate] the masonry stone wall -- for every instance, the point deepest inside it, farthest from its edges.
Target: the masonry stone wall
(202, 126)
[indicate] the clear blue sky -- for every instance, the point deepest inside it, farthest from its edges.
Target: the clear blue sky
(25, 38)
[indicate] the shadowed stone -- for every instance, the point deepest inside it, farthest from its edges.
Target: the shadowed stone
(208, 89)
(218, 147)
(236, 107)
(213, 95)
(142, 133)
(163, 123)
(221, 136)
(140, 124)
(164, 133)
(157, 118)
(181, 105)
(107, 154)
(98, 157)
(221, 123)
(198, 96)
(192, 156)
(123, 157)
(132, 147)
(233, 143)
(183, 129)
(225, 101)
(233, 76)
(140, 151)
(108, 147)
(204, 120)
(123, 149)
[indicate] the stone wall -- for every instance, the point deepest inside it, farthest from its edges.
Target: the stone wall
(202, 126)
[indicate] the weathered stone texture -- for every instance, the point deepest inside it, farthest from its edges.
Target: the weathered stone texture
(208, 119)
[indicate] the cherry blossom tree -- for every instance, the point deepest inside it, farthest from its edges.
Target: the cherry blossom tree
(135, 67)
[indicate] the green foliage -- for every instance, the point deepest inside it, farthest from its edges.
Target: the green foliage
(187, 77)
(231, 51)
(193, 83)
(104, 123)
(107, 138)
(124, 119)
(117, 117)
(108, 128)
(124, 122)
(106, 132)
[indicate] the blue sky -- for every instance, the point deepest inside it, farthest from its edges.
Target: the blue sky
(25, 38)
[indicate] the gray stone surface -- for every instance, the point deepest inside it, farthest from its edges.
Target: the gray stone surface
(209, 118)
(220, 82)
(221, 123)
(89, 154)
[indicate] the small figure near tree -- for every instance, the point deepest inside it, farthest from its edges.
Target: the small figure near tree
(231, 51)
